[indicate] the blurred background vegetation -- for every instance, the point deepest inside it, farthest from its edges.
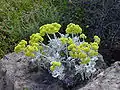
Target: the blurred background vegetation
(20, 18)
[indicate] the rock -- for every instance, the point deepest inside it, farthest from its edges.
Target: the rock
(16, 75)
(106, 80)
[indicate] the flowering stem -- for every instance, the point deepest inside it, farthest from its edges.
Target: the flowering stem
(46, 45)
(49, 37)
(42, 55)
(60, 34)
(83, 40)
(55, 37)
(72, 35)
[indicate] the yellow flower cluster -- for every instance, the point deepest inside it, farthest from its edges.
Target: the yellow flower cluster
(64, 40)
(35, 38)
(49, 29)
(70, 41)
(73, 29)
(94, 46)
(83, 36)
(97, 39)
(83, 51)
(54, 65)
(34, 45)
(77, 51)
(21, 46)
(30, 49)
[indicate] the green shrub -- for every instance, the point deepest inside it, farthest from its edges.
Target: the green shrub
(20, 18)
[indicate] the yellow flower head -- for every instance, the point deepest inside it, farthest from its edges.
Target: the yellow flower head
(73, 29)
(97, 39)
(64, 40)
(83, 36)
(49, 29)
(56, 63)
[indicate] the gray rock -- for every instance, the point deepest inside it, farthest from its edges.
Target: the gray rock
(106, 80)
(15, 74)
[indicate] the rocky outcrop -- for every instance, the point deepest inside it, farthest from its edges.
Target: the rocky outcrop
(106, 80)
